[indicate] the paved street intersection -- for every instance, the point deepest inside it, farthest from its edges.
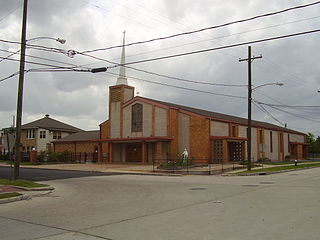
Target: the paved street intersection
(280, 206)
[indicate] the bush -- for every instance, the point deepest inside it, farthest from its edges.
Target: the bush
(45, 156)
(4, 157)
(265, 159)
(42, 156)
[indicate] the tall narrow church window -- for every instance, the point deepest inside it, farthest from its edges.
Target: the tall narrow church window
(136, 117)
(271, 142)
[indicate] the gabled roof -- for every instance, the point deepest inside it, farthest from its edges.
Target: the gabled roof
(219, 116)
(80, 136)
(50, 124)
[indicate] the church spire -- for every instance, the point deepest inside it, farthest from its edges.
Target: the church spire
(122, 73)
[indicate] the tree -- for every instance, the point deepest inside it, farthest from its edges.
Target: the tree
(314, 144)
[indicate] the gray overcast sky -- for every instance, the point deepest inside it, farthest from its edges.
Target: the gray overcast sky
(80, 98)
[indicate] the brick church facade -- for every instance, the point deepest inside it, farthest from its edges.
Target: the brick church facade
(147, 130)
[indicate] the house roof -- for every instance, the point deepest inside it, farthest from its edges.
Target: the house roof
(50, 124)
(80, 136)
(220, 116)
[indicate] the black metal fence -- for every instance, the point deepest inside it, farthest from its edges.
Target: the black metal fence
(198, 166)
(81, 157)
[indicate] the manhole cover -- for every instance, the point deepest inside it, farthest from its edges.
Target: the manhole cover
(266, 182)
(250, 185)
(198, 188)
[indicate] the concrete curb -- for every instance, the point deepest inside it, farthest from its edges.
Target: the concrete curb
(24, 197)
(267, 173)
(33, 189)
(13, 199)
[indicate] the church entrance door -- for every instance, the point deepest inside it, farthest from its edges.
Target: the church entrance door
(134, 152)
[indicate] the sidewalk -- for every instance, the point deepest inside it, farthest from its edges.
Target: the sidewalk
(138, 168)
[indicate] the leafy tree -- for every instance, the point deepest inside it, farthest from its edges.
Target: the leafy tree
(314, 144)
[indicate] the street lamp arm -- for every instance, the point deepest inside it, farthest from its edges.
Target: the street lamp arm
(267, 84)
(60, 40)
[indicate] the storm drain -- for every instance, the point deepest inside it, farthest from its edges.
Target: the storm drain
(266, 182)
(250, 185)
(198, 188)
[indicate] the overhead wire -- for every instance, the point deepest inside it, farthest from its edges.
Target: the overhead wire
(298, 116)
(167, 76)
(218, 48)
(207, 28)
(261, 108)
(15, 9)
(179, 87)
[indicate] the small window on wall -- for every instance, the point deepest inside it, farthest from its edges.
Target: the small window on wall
(30, 134)
(56, 135)
(261, 137)
(233, 131)
(42, 134)
(271, 142)
(136, 117)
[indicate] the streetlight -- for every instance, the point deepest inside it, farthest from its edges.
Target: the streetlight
(60, 40)
(267, 84)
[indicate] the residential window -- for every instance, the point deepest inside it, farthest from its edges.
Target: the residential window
(289, 147)
(56, 135)
(30, 134)
(136, 117)
(42, 134)
(271, 142)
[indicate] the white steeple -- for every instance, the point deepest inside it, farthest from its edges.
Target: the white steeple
(122, 73)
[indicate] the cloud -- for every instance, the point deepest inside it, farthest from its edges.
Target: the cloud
(81, 98)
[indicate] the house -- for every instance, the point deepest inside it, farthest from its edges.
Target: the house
(39, 134)
(147, 130)
(7, 140)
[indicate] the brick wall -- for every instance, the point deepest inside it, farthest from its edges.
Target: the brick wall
(76, 147)
(199, 138)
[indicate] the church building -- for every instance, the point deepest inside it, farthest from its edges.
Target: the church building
(146, 130)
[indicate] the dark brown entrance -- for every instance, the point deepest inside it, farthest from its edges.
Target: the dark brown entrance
(134, 152)
(235, 151)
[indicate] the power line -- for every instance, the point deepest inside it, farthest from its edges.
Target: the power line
(288, 106)
(298, 116)
(223, 36)
(167, 76)
(262, 109)
(184, 88)
(207, 28)
(11, 12)
(218, 48)
(48, 65)
(36, 57)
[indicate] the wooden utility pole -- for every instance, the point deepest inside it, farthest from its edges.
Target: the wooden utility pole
(20, 93)
(249, 60)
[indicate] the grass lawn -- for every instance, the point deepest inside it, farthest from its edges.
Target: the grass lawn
(280, 168)
(22, 183)
(21, 163)
(9, 195)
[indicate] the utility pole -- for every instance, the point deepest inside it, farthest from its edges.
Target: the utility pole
(249, 60)
(20, 92)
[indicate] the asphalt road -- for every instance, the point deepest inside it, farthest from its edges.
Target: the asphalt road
(36, 174)
(281, 206)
